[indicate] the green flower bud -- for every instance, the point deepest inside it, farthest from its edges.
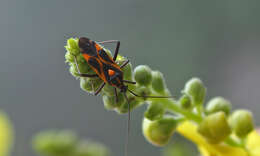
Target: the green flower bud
(133, 102)
(83, 68)
(69, 57)
(90, 84)
(218, 104)
(55, 143)
(215, 127)
(110, 101)
(87, 148)
(159, 132)
(109, 90)
(196, 90)
(72, 43)
(155, 111)
(241, 122)
(142, 91)
(185, 102)
(143, 75)
(127, 70)
(72, 46)
(158, 83)
(73, 70)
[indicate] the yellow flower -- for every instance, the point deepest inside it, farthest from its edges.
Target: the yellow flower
(189, 130)
(6, 135)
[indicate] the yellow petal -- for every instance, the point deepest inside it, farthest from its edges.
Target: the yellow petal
(189, 130)
(6, 135)
(253, 143)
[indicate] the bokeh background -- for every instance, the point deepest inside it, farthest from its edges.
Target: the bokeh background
(218, 41)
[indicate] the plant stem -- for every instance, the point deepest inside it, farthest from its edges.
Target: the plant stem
(232, 142)
(172, 106)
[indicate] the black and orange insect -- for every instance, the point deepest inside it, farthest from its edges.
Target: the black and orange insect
(107, 69)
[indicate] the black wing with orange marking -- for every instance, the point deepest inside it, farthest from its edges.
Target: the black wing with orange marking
(104, 66)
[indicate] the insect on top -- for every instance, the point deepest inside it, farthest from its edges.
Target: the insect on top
(104, 66)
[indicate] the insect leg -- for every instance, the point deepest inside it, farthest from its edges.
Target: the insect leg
(116, 51)
(116, 95)
(147, 96)
(124, 64)
(131, 82)
(100, 88)
(117, 46)
(83, 75)
(108, 41)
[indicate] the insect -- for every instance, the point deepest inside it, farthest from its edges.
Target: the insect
(108, 70)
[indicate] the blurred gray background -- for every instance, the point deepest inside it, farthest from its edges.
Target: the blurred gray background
(218, 41)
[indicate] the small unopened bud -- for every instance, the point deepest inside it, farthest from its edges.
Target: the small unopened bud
(69, 57)
(73, 70)
(185, 102)
(133, 102)
(159, 132)
(72, 46)
(111, 103)
(215, 127)
(241, 122)
(196, 90)
(143, 75)
(158, 83)
(90, 85)
(218, 104)
(142, 91)
(127, 70)
(83, 68)
(155, 111)
(109, 90)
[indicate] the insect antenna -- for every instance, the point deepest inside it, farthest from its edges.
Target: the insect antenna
(147, 96)
(128, 124)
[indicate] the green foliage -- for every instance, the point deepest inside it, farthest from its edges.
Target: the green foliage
(66, 143)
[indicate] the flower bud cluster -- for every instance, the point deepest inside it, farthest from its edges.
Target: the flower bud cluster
(215, 123)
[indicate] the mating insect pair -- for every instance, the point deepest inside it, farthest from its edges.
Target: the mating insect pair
(108, 70)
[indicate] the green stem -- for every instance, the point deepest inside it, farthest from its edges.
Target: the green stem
(172, 106)
(232, 142)
(241, 143)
